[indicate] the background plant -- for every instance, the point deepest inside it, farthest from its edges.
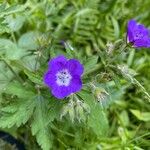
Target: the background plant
(112, 110)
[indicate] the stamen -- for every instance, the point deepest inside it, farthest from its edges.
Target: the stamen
(63, 78)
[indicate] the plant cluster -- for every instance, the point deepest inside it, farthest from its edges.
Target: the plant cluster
(75, 74)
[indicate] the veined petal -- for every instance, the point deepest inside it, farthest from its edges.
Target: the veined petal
(132, 23)
(76, 84)
(57, 63)
(50, 79)
(141, 43)
(141, 29)
(75, 67)
(61, 92)
(130, 28)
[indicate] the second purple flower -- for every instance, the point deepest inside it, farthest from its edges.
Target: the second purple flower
(138, 34)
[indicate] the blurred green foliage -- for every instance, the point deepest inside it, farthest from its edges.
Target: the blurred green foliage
(32, 32)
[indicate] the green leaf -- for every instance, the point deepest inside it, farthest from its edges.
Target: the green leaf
(116, 27)
(28, 68)
(35, 78)
(69, 50)
(143, 116)
(45, 112)
(5, 76)
(15, 88)
(31, 62)
(124, 118)
(10, 50)
(17, 113)
(29, 40)
(115, 94)
(14, 23)
(4, 29)
(97, 119)
(2, 7)
(40, 125)
(12, 9)
(90, 63)
(20, 111)
(131, 57)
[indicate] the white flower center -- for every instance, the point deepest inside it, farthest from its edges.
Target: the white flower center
(63, 77)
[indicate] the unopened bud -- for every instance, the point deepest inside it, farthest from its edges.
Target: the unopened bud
(123, 69)
(82, 109)
(76, 109)
(68, 109)
(100, 94)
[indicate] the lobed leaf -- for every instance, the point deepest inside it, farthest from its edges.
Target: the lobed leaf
(97, 119)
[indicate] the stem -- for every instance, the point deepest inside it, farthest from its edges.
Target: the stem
(38, 89)
(60, 141)
(124, 46)
(36, 62)
(13, 37)
(143, 89)
(134, 81)
(61, 131)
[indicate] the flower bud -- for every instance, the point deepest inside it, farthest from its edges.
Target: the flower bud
(82, 109)
(68, 109)
(76, 109)
(100, 94)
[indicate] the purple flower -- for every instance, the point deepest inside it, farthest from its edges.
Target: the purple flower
(63, 76)
(138, 34)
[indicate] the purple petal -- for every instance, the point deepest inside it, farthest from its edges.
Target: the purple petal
(50, 79)
(130, 36)
(132, 23)
(75, 67)
(57, 63)
(148, 32)
(76, 84)
(148, 43)
(141, 43)
(144, 31)
(130, 30)
(61, 92)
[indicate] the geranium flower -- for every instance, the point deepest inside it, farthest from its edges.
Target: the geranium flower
(138, 34)
(63, 76)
